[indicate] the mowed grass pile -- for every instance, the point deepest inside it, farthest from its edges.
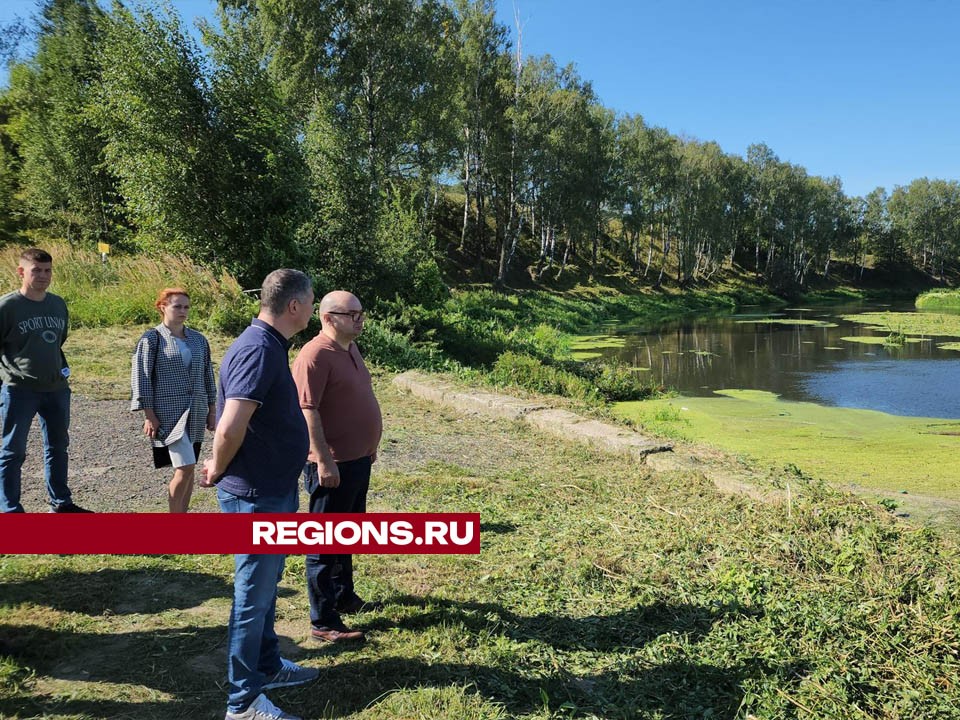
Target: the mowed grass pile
(602, 590)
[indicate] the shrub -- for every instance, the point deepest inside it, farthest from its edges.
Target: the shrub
(616, 381)
(394, 351)
(939, 300)
(531, 374)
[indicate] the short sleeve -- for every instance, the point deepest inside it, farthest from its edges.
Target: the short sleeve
(249, 376)
(310, 374)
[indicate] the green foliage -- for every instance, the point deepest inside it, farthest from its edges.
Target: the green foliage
(529, 373)
(123, 290)
(525, 338)
(154, 108)
(924, 217)
(391, 350)
(896, 338)
(8, 186)
(615, 381)
(67, 189)
(204, 149)
(939, 300)
(588, 382)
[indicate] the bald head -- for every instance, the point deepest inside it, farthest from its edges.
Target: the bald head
(339, 301)
(341, 317)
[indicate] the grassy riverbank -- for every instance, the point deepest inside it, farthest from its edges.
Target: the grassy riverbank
(602, 590)
(939, 300)
(843, 446)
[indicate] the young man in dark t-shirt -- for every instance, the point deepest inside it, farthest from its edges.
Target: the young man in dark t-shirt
(33, 328)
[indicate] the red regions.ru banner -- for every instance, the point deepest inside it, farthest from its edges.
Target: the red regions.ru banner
(240, 533)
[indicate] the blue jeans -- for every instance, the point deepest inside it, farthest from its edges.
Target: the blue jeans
(330, 577)
(20, 405)
(253, 650)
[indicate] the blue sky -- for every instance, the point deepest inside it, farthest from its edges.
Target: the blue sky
(863, 89)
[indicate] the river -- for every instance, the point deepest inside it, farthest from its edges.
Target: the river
(804, 354)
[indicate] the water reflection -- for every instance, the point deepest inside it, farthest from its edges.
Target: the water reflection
(807, 362)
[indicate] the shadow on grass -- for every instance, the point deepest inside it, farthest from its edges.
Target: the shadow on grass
(117, 592)
(678, 689)
(497, 528)
(186, 662)
(548, 661)
(598, 665)
(623, 630)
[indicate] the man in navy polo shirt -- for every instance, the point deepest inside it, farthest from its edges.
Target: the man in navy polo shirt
(259, 449)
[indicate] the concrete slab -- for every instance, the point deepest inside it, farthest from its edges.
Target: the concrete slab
(562, 423)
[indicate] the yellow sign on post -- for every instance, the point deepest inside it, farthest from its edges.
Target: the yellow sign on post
(103, 248)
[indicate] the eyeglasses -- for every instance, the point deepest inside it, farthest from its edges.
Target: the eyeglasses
(356, 315)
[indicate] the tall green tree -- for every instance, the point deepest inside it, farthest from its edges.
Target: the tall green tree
(483, 71)
(881, 240)
(262, 181)
(156, 113)
(66, 185)
(373, 83)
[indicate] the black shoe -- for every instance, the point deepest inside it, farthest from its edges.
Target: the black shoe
(69, 508)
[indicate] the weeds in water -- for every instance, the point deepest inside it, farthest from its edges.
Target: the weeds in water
(896, 338)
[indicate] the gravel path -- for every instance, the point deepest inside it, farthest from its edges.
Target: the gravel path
(111, 466)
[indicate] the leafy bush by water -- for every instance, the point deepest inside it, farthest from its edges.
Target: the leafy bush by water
(615, 381)
(588, 382)
(531, 374)
(939, 300)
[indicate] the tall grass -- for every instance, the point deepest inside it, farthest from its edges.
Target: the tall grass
(939, 300)
(122, 290)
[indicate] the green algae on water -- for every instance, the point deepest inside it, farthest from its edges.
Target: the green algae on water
(840, 445)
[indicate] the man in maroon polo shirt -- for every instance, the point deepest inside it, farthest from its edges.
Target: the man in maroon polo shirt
(344, 423)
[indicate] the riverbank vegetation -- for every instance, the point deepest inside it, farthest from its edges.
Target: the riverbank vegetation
(519, 339)
(603, 590)
(405, 144)
(939, 300)
(922, 325)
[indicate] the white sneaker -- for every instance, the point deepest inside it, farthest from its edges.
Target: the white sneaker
(262, 709)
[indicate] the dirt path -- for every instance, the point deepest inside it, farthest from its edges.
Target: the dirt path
(111, 468)
(110, 462)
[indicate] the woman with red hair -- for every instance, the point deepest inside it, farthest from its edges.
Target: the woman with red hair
(172, 382)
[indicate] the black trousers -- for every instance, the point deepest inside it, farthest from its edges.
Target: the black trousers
(330, 577)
